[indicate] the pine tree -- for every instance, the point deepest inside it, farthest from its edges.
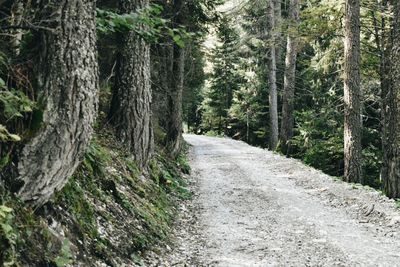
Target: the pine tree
(175, 92)
(290, 77)
(224, 80)
(392, 182)
(130, 111)
(384, 41)
(352, 94)
(273, 91)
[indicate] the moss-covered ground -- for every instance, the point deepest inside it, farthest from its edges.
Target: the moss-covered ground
(108, 213)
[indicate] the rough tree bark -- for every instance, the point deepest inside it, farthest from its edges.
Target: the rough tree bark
(279, 38)
(130, 111)
(383, 43)
(352, 94)
(273, 94)
(174, 101)
(392, 182)
(287, 123)
(174, 132)
(68, 80)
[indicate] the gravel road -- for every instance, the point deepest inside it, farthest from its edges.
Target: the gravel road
(255, 208)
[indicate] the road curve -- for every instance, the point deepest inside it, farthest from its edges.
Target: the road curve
(256, 208)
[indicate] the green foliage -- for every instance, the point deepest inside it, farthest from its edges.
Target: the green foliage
(319, 141)
(213, 133)
(6, 136)
(183, 164)
(224, 80)
(168, 175)
(372, 160)
(8, 237)
(25, 238)
(248, 110)
(147, 23)
(109, 21)
(110, 178)
(194, 83)
(74, 199)
(14, 103)
(235, 96)
(65, 256)
(96, 158)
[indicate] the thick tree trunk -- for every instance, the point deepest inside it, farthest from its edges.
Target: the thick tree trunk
(174, 101)
(130, 111)
(392, 181)
(69, 82)
(273, 94)
(352, 94)
(290, 78)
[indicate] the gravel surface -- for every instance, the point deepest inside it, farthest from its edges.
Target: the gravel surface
(255, 208)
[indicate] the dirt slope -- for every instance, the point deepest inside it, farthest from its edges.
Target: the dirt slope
(255, 208)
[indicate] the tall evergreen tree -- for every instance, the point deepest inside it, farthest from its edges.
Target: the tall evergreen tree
(273, 91)
(391, 183)
(279, 32)
(224, 79)
(352, 94)
(290, 77)
(383, 39)
(130, 111)
(175, 92)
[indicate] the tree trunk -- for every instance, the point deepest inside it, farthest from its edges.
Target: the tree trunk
(68, 79)
(130, 111)
(174, 101)
(290, 78)
(392, 181)
(16, 17)
(279, 39)
(385, 111)
(383, 43)
(352, 94)
(273, 94)
(174, 133)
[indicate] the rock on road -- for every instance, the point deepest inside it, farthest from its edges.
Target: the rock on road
(256, 208)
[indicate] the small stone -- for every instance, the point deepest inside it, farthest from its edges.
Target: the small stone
(395, 220)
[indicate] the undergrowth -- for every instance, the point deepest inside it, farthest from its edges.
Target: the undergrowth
(109, 212)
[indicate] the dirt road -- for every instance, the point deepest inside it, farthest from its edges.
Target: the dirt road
(256, 208)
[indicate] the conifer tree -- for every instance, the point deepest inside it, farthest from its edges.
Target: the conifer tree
(130, 111)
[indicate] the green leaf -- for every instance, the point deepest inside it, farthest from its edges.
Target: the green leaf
(178, 40)
(5, 209)
(6, 228)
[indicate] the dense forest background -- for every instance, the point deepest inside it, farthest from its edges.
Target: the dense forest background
(309, 106)
(95, 96)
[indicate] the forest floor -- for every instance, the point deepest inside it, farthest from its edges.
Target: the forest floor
(252, 207)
